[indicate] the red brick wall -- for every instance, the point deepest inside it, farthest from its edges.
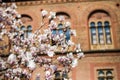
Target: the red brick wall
(79, 12)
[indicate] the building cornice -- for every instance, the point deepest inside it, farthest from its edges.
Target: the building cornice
(43, 2)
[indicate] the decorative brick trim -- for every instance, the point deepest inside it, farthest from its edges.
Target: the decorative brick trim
(42, 2)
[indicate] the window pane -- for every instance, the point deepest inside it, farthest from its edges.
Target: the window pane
(22, 36)
(100, 35)
(100, 30)
(94, 39)
(108, 39)
(29, 31)
(53, 31)
(100, 73)
(93, 30)
(60, 31)
(108, 35)
(93, 35)
(60, 26)
(92, 24)
(67, 34)
(106, 23)
(29, 34)
(109, 73)
(57, 75)
(107, 32)
(23, 28)
(101, 39)
(107, 29)
(99, 24)
(29, 28)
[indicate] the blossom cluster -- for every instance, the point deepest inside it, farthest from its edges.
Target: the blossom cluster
(24, 53)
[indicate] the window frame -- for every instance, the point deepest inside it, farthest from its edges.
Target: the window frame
(105, 76)
(99, 46)
(26, 31)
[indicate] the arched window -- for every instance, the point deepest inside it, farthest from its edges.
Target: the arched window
(100, 30)
(27, 29)
(61, 26)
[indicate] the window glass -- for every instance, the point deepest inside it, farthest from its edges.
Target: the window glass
(29, 31)
(23, 28)
(107, 32)
(92, 24)
(60, 28)
(93, 35)
(67, 34)
(100, 73)
(22, 36)
(100, 33)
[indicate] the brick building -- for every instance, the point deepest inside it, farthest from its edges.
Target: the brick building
(97, 25)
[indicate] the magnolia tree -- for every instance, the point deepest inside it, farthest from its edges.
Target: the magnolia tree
(26, 54)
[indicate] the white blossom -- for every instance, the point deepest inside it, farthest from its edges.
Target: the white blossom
(53, 24)
(50, 53)
(80, 55)
(44, 13)
(73, 32)
(74, 63)
(31, 65)
(77, 48)
(52, 15)
(70, 55)
(13, 6)
(67, 24)
(70, 43)
(12, 58)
